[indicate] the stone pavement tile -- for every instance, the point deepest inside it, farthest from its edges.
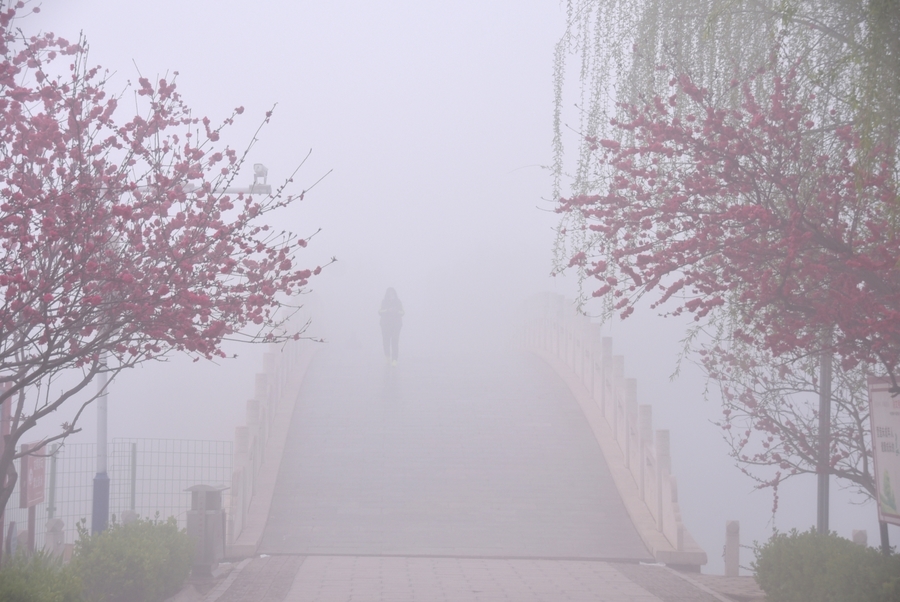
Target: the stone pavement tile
(742, 589)
(402, 579)
(481, 454)
(663, 583)
(263, 580)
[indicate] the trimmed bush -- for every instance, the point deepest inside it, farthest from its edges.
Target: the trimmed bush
(41, 578)
(144, 561)
(799, 567)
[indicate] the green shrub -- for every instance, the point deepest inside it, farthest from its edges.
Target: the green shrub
(144, 561)
(41, 578)
(799, 567)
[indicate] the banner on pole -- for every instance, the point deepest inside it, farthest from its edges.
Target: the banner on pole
(32, 469)
(884, 413)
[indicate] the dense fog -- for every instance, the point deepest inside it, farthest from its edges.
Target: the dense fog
(434, 121)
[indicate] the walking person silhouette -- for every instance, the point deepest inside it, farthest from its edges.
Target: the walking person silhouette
(391, 320)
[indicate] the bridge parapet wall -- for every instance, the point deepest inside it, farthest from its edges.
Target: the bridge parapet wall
(259, 444)
(638, 456)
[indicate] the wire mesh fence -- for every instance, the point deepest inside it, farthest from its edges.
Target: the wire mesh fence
(147, 476)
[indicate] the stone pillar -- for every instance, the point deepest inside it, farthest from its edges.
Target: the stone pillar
(645, 441)
(241, 445)
(615, 398)
(605, 377)
(663, 472)
(631, 425)
(732, 548)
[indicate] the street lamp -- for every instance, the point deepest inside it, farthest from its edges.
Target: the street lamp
(259, 186)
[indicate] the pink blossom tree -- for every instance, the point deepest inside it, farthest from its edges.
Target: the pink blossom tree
(750, 214)
(119, 244)
(778, 233)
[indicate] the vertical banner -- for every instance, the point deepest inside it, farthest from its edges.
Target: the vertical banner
(32, 468)
(884, 412)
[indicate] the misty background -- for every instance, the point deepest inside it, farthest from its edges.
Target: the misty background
(436, 121)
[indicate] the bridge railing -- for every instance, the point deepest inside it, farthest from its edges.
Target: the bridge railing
(259, 443)
(639, 456)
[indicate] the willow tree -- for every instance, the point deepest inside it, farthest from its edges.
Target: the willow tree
(844, 60)
(622, 52)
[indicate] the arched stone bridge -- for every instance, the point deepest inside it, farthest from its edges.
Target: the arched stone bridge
(464, 471)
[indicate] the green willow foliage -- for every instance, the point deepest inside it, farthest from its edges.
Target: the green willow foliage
(847, 53)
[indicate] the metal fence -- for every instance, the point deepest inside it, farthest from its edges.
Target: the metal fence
(147, 476)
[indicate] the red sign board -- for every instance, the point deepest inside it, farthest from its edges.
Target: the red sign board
(31, 475)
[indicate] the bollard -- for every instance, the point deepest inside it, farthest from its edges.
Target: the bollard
(732, 548)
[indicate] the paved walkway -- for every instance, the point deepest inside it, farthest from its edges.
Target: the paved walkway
(405, 579)
(478, 454)
(454, 477)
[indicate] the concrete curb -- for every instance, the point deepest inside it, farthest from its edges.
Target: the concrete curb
(222, 587)
(700, 586)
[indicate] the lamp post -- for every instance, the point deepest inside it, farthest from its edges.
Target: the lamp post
(100, 506)
(823, 462)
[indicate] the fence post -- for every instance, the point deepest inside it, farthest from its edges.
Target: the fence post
(133, 476)
(51, 493)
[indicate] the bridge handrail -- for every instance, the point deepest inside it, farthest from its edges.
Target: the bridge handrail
(639, 457)
(258, 444)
